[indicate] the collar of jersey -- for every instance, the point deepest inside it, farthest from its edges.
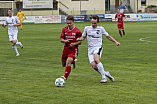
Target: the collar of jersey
(72, 29)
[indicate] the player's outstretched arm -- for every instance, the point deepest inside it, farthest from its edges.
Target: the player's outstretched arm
(113, 40)
(76, 43)
(124, 18)
(64, 41)
(81, 38)
(18, 24)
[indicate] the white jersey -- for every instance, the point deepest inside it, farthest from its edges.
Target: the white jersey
(94, 35)
(10, 21)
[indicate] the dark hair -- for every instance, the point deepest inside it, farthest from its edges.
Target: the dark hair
(9, 8)
(118, 8)
(96, 17)
(70, 17)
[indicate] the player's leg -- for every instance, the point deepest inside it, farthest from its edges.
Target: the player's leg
(100, 68)
(15, 48)
(64, 58)
(120, 32)
(94, 66)
(21, 24)
(75, 60)
(122, 27)
(91, 59)
(96, 57)
(68, 67)
(119, 28)
(63, 63)
(69, 60)
(13, 41)
(17, 43)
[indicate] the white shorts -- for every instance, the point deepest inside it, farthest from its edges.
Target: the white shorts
(92, 51)
(13, 36)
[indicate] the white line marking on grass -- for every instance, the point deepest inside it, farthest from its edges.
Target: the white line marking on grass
(145, 39)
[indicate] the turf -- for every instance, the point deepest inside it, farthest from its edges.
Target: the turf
(29, 78)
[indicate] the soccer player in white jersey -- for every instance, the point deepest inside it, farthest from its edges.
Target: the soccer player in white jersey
(94, 39)
(13, 22)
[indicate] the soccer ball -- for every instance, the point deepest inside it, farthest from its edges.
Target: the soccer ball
(59, 82)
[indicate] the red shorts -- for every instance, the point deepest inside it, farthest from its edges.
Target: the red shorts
(69, 53)
(120, 26)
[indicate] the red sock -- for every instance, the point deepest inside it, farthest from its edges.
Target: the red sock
(67, 71)
(120, 33)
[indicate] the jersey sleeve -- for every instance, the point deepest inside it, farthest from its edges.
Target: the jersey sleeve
(84, 32)
(104, 32)
(5, 23)
(62, 34)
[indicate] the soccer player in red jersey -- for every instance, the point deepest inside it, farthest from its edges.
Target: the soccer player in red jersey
(121, 17)
(69, 37)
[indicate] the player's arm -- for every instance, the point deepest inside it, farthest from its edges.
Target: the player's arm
(113, 40)
(115, 17)
(79, 34)
(24, 15)
(18, 23)
(63, 40)
(83, 35)
(3, 25)
(124, 17)
(76, 43)
(81, 38)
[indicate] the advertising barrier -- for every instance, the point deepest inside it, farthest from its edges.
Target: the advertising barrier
(102, 17)
(147, 17)
(77, 18)
(29, 20)
(85, 18)
(129, 17)
(48, 19)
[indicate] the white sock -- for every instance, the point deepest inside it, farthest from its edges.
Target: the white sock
(18, 43)
(15, 49)
(101, 69)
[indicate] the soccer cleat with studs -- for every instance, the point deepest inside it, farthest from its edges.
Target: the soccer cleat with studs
(109, 76)
(21, 46)
(17, 54)
(63, 78)
(103, 81)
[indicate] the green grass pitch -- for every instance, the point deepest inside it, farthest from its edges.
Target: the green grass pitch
(29, 78)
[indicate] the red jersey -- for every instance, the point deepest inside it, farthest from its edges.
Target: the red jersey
(120, 17)
(70, 35)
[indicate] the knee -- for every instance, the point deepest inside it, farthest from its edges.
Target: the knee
(69, 61)
(13, 42)
(94, 66)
